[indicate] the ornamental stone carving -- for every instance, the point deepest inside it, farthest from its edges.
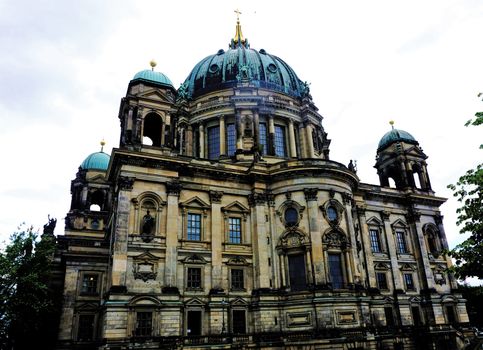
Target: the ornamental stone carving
(173, 188)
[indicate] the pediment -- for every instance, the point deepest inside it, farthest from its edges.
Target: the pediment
(146, 256)
(195, 202)
(87, 306)
(146, 300)
(407, 267)
(195, 302)
(416, 300)
(374, 221)
(399, 224)
(155, 95)
(239, 302)
(237, 260)
(235, 206)
(381, 266)
(194, 259)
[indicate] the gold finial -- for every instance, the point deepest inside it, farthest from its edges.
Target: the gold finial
(391, 122)
(103, 143)
(238, 39)
(153, 64)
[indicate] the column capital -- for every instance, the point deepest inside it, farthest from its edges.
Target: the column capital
(385, 215)
(257, 198)
(215, 196)
(310, 194)
(173, 188)
(361, 209)
(126, 183)
(438, 219)
(413, 215)
(347, 198)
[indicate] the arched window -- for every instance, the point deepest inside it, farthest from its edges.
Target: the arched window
(280, 144)
(152, 130)
(96, 200)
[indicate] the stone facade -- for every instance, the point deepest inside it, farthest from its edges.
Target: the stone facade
(235, 229)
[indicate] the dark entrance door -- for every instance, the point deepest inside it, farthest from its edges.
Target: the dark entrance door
(239, 323)
(193, 326)
(296, 267)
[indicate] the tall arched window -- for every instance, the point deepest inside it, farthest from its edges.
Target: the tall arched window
(214, 142)
(280, 148)
(152, 130)
(230, 139)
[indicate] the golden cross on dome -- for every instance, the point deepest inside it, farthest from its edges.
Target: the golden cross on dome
(238, 13)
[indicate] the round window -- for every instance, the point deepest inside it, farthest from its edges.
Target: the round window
(272, 68)
(214, 68)
(291, 217)
(332, 213)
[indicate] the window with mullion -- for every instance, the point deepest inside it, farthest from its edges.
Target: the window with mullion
(335, 269)
(194, 227)
(402, 247)
(280, 141)
(381, 280)
(193, 280)
(144, 323)
(89, 284)
(230, 139)
(237, 280)
(214, 142)
(375, 242)
(263, 138)
(234, 230)
(408, 281)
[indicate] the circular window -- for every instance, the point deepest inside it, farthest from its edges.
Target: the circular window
(291, 217)
(272, 68)
(332, 214)
(214, 68)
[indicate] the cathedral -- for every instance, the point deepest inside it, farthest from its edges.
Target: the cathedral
(221, 222)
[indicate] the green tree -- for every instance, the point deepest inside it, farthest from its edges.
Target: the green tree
(28, 306)
(468, 190)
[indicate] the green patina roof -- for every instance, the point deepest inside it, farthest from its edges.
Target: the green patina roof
(225, 68)
(153, 77)
(395, 135)
(96, 161)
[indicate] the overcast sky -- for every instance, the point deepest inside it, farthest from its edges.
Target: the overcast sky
(64, 66)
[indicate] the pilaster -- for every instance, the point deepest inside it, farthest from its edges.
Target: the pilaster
(173, 190)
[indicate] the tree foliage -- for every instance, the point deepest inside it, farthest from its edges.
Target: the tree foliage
(27, 303)
(468, 190)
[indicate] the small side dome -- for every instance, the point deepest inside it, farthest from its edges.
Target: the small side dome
(151, 76)
(96, 161)
(395, 135)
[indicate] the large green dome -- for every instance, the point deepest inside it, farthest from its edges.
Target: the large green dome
(240, 63)
(151, 76)
(395, 135)
(96, 161)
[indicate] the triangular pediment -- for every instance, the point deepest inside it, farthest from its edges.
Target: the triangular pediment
(195, 202)
(235, 206)
(374, 221)
(399, 224)
(381, 266)
(155, 95)
(238, 302)
(195, 302)
(87, 306)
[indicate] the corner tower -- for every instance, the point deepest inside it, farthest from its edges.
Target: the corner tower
(400, 158)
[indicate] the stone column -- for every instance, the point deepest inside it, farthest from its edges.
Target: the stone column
(371, 274)
(353, 256)
(271, 136)
(173, 190)
(303, 141)
(202, 141)
(222, 136)
(217, 234)
(314, 231)
(291, 139)
(310, 141)
(189, 141)
(163, 129)
(256, 129)
(438, 219)
(422, 253)
(119, 247)
(260, 247)
(391, 249)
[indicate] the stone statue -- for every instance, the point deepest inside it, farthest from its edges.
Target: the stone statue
(50, 226)
(352, 166)
(148, 224)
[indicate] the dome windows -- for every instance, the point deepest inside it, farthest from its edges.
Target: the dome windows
(272, 68)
